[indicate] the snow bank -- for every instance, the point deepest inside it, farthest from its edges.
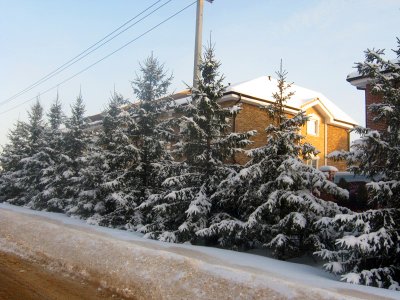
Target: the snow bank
(146, 269)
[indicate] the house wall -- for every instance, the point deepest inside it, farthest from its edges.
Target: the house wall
(338, 139)
(369, 116)
(251, 117)
(318, 141)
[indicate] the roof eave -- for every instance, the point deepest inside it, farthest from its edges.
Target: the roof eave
(233, 95)
(359, 82)
(331, 120)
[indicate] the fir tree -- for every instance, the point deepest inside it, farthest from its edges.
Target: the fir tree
(24, 159)
(87, 200)
(149, 136)
(76, 136)
(68, 179)
(153, 81)
(368, 251)
(53, 150)
(118, 154)
(11, 186)
(104, 196)
(274, 201)
(37, 158)
(205, 146)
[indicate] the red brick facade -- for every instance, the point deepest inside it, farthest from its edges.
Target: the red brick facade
(371, 98)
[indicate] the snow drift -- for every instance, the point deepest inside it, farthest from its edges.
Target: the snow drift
(125, 262)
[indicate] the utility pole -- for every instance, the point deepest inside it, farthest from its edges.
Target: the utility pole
(198, 42)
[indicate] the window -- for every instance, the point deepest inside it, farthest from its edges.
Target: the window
(313, 162)
(312, 125)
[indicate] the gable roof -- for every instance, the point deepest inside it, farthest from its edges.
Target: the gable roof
(259, 91)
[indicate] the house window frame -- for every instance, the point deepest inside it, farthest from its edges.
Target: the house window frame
(313, 118)
(313, 162)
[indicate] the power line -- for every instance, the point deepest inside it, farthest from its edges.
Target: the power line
(100, 60)
(88, 51)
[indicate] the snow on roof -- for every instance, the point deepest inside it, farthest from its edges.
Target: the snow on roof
(360, 81)
(356, 75)
(328, 169)
(263, 87)
(182, 101)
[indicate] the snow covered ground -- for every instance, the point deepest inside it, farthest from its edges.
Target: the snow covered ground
(147, 269)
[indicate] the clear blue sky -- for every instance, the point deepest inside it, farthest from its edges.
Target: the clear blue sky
(318, 40)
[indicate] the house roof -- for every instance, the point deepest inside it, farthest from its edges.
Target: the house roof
(360, 81)
(260, 90)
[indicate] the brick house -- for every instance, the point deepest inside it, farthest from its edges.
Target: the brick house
(327, 128)
(364, 84)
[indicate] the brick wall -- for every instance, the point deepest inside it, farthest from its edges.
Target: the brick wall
(318, 141)
(338, 139)
(252, 117)
(370, 99)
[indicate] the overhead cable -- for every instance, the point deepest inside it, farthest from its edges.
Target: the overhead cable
(100, 60)
(88, 51)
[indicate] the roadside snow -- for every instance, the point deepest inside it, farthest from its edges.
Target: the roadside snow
(135, 266)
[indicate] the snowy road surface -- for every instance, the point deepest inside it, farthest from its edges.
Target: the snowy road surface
(144, 269)
(21, 279)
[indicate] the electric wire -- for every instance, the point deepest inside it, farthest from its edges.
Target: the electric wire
(87, 51)
(100, 60)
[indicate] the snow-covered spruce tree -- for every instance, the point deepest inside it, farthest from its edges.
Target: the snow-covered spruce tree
(103, 196)
(38, 158)
(67, 180)
(118, 153)
(87, 200)
(275, 200)
(151, 164)
(368, 251)
(205, 145)
(53, 149)
(11, 186)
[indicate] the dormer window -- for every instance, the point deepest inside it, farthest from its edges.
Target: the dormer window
(313, 125)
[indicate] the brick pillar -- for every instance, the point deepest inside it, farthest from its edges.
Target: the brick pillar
(369, 116)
